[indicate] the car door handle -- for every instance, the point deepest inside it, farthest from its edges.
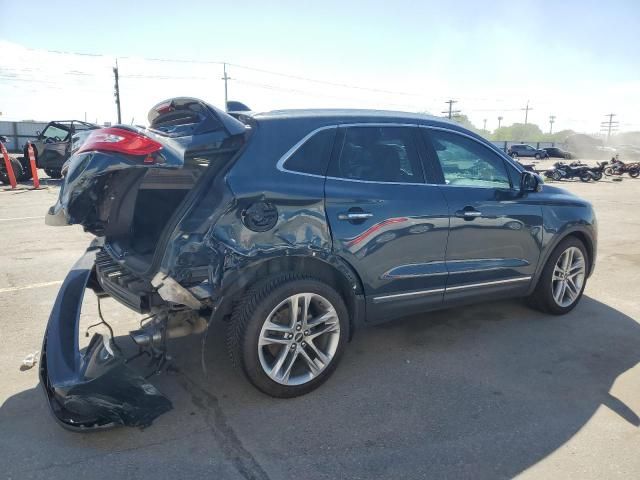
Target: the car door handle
(354, 216)
(468, 213)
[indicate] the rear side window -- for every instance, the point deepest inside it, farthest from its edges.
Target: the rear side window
(378, 154)
(313, 155)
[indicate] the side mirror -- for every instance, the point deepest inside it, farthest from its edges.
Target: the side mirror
(3, 139)
(38, 132)
(530, 182)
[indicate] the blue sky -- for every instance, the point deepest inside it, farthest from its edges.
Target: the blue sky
(575, 60)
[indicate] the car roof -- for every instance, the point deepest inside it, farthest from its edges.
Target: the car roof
(346, 115)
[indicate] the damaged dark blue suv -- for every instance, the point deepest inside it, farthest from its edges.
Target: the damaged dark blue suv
(292, 229)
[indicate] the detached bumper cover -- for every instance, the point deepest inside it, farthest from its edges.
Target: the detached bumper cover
(94, 389)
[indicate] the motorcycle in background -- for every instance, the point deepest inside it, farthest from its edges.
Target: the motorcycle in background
(562, 171)
(618, 167)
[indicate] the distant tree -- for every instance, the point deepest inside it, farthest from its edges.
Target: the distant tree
(519, 132)
(467, 123)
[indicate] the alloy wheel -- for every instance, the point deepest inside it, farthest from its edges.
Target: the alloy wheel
(299, 339)
(568, 277)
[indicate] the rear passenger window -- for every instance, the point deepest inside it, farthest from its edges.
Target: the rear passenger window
(379, 154)
(313, 155)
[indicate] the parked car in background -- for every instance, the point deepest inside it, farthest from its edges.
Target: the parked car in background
(291, 230)
(524, 150)
(556, 152)
(52, 146)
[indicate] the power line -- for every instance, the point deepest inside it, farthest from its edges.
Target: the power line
(325, 82)
(116, 92)
(526, 112)
(610, 125)
(450, 113)
(226, 78)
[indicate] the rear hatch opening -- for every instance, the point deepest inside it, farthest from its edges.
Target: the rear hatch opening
(133, 185)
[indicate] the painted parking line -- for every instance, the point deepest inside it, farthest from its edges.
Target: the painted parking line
(18, 218)
(32, 285)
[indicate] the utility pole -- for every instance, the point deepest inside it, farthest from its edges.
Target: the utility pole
(485, 124)
(610, 125)
(226, 78)
(116, 92)
(526, 112)
(552, 119)
(499, 121)
(450, 113)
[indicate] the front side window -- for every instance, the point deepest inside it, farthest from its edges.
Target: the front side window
(378, 154)
(313, 155)
(466, 162)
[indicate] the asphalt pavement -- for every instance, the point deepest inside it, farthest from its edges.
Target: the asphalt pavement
(490, 391)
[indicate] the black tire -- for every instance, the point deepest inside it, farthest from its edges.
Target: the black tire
(585, 177)
(633, 172)
(557, 176)
(542, 297)
(17, 171)
(608, 171)
(249, 316)
(597, 176)
(53, 172)
(537, 156)
(26, 168)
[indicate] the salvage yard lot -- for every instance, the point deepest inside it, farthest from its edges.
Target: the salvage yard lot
(489, 391)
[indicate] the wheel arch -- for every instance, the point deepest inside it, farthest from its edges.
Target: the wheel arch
(586, 239)
(330, 269)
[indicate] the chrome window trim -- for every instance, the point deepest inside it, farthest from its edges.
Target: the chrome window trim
(281, 163)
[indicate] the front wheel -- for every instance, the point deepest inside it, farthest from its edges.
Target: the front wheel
(556, 175)
(288, 334)
(634, 172)
(563, 278)
(597, 176)
(585, 177)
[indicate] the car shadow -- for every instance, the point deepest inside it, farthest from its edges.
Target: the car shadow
(484, 391)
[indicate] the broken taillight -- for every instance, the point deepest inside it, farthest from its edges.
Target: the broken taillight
(119, 140)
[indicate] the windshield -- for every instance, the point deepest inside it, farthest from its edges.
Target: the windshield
(55, 133)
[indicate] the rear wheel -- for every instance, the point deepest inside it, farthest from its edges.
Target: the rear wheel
(53, 172)
(556, 175)
(288, 334)
(563, 278)
(608, 171)
(26, 168)
(585, 177)
(16, 166)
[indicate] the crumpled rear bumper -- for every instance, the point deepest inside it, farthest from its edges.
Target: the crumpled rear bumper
(94, 389)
